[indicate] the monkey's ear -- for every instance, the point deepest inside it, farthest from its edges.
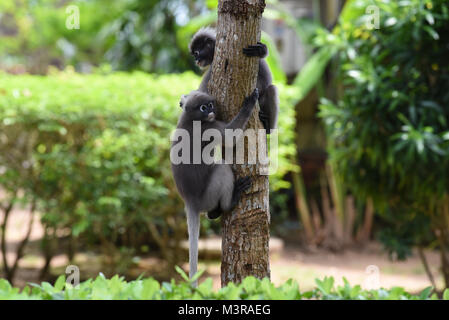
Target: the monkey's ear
(183, 99)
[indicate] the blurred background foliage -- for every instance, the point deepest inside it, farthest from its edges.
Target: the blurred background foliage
(388, 126)
(86, 114)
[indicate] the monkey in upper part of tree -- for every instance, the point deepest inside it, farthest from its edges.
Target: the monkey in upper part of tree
(207, 186)
(202, 48)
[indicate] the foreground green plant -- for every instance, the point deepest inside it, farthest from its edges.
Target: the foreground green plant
(251, 288)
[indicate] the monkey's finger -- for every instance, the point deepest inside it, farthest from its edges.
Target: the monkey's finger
(258, 48)
(252, 51)
(255, 93)
(255, 47)
(244, 183)
(242, 180)
(247, 186)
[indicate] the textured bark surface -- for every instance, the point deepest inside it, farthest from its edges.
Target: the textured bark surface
(245, 231)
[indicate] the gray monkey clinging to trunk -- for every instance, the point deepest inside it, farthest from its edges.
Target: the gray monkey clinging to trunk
(202, 48)
(206, 187)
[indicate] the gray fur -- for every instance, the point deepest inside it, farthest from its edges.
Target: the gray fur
(206, 187)
(205, 32)
(202, 49)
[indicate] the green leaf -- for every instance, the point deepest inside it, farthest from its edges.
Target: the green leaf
(311, 73)
(250, 284)
(60, 283)
(425, 294)
(182, 273)
(150, 288)
(325, 285)
(446, 294)
(205, 288)
(432, 32)
(197, 275)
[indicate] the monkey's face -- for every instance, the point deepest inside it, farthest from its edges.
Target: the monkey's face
(200, 108)
(208, 112)
(202, 49)
(205, 111)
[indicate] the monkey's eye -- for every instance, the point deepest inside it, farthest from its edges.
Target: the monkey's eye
(211, 105)
(203, 108)
(196, 53)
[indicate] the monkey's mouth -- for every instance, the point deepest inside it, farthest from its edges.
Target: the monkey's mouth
(201, 63)
(211, 117)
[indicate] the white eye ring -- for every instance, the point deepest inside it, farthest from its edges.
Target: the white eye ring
(211, 105)
(203, 108)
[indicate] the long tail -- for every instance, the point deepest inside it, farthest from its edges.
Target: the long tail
(193, 223)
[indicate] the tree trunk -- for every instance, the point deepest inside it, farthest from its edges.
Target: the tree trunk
(245, 231)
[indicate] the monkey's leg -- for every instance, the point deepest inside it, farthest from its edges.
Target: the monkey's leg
(205, 81)
(214, 214)
(218, 191)
(265, 119)
(240, 186)
(259, 50)
(269, 108)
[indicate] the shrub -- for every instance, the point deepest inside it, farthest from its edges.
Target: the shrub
(389, 128)
(251, 288)
(93, 152)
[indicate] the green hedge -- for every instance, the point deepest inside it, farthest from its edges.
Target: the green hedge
(251, 288)
(93, 152)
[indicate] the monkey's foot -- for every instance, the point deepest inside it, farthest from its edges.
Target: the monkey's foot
(240, 186)
(214, 214)
(265, 119)
(259, 50)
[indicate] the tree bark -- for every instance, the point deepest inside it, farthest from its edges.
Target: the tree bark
(245, 231)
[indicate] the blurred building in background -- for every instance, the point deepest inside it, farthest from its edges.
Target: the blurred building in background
(310, 134)
(290, 48)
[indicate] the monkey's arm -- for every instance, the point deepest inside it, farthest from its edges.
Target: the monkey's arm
(259, 50)
(241, 119)
(239, 122)
(268, 99)
(205, 81)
